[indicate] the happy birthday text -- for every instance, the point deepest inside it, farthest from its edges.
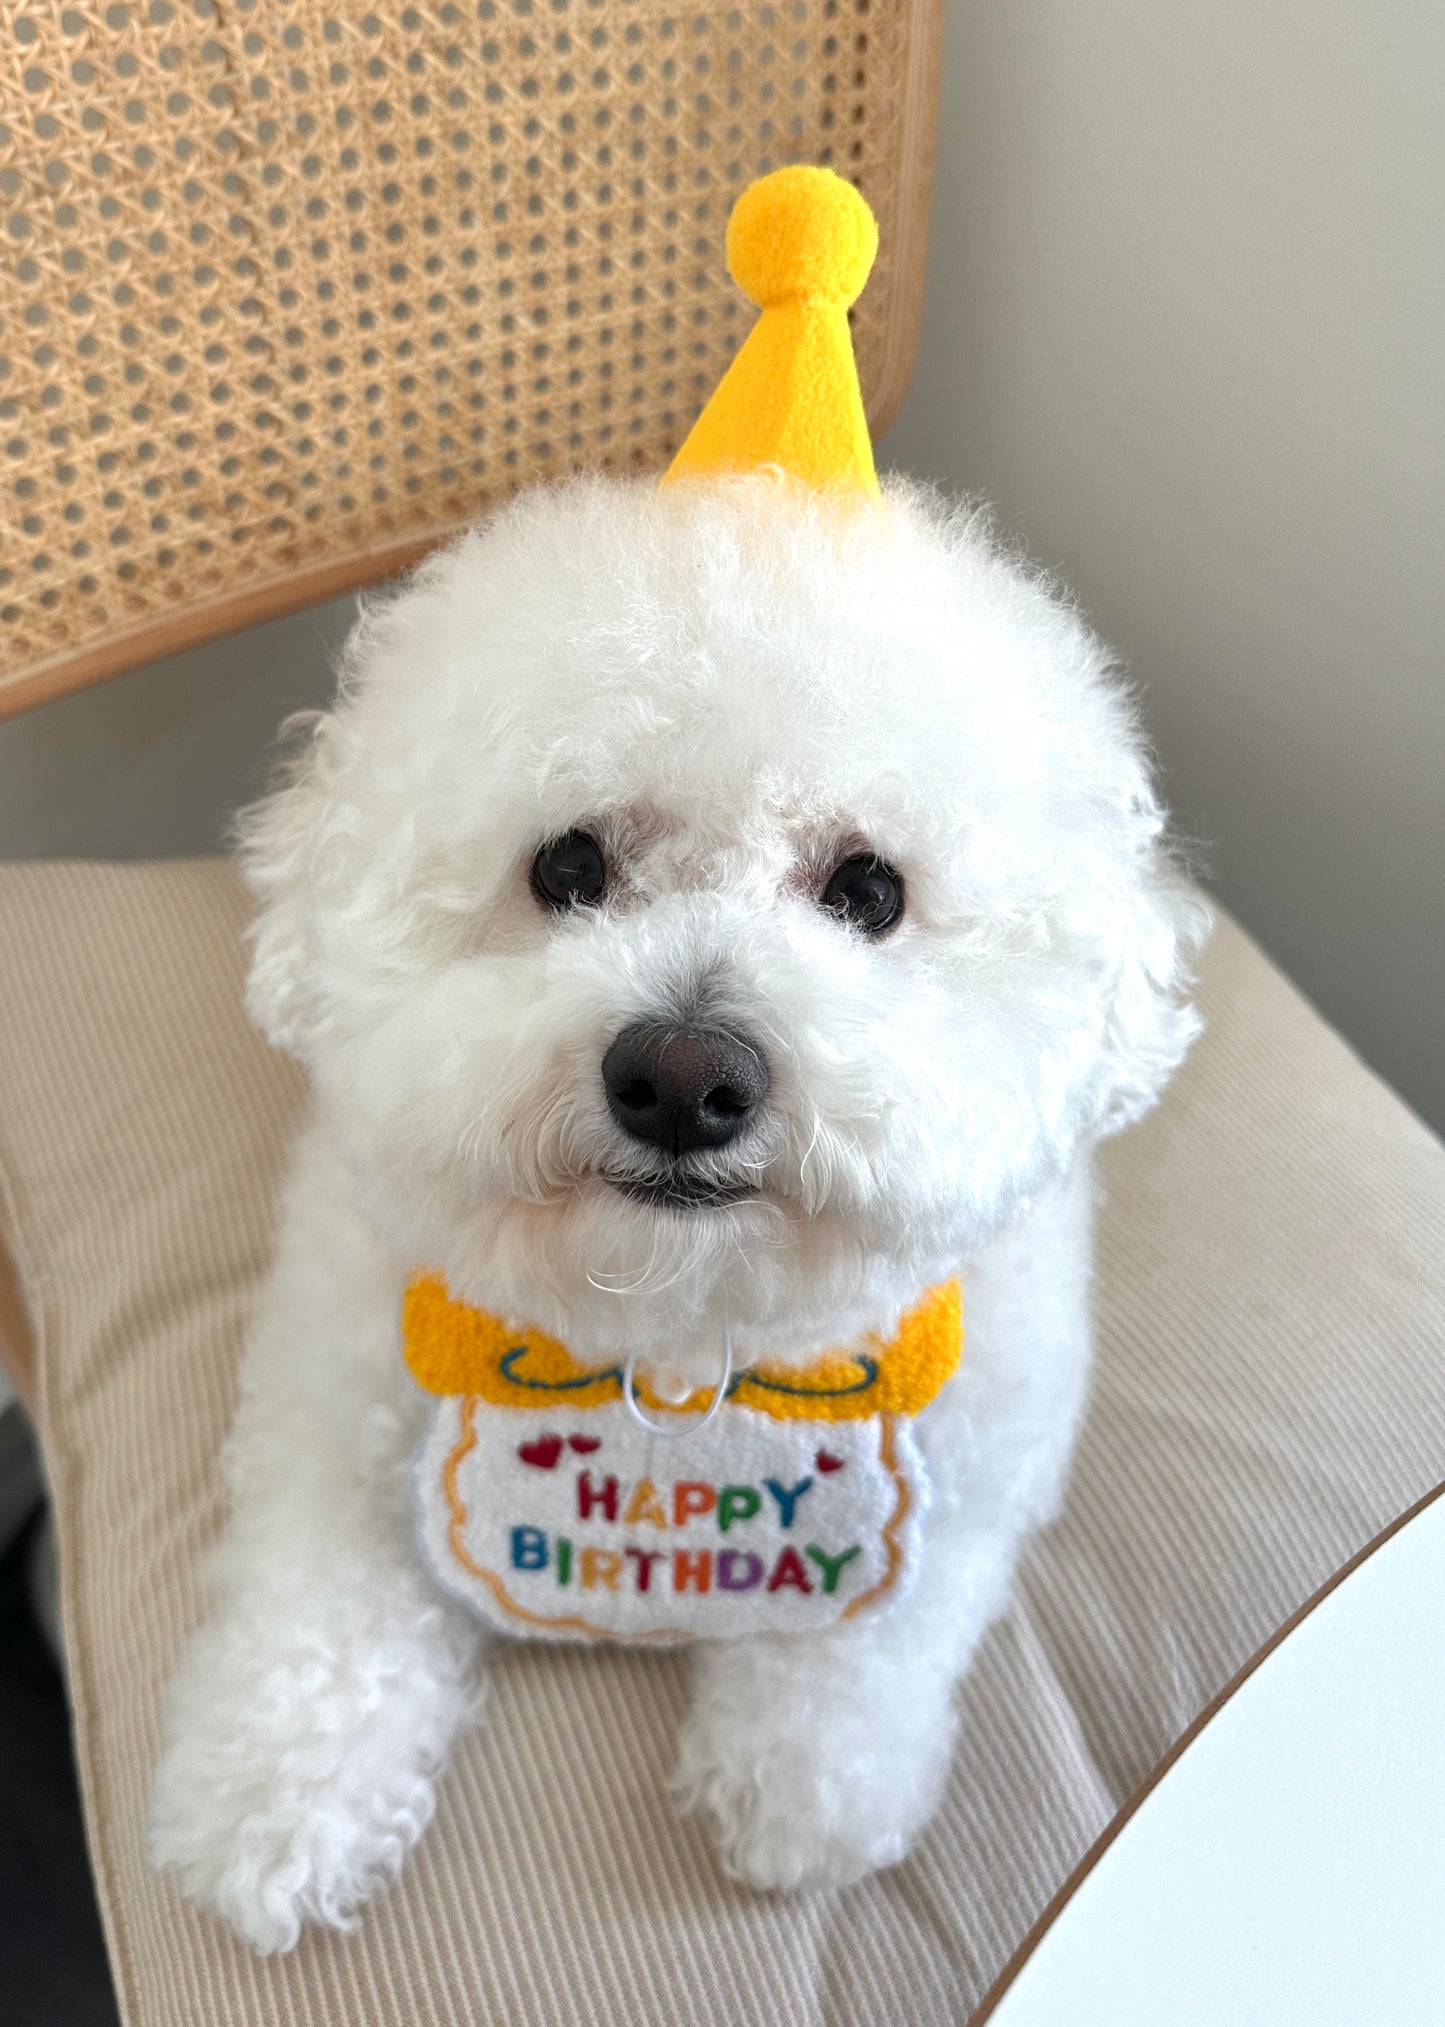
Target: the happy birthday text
(632, 1565)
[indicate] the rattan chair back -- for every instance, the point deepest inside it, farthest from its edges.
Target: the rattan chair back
(291, 288)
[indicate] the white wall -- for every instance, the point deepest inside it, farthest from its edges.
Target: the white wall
(155, 764)
(1185, 325)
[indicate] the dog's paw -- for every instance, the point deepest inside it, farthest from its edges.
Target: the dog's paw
(270, 1857)
(293, 1796)
(808, 1782)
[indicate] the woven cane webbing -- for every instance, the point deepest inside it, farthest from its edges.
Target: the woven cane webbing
(288, 288)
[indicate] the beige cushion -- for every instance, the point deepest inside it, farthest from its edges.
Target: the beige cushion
(1270, 1392)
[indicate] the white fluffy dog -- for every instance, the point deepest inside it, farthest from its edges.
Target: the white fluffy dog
(850, 786)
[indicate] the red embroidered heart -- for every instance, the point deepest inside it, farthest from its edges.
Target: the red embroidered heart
(584, 1445)
(826, 1461)
(542, 1453)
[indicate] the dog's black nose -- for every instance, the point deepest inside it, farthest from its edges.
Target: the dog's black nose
(683, 1088)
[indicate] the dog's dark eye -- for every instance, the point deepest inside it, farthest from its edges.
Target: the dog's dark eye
(569, 869)
(865, 893)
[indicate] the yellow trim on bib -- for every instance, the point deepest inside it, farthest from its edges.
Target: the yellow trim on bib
(452, 1348)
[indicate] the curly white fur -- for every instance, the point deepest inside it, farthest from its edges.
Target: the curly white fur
(731, 687)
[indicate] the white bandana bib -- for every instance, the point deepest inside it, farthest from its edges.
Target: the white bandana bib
(544, 1506)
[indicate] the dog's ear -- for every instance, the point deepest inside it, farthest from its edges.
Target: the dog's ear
(1150, 1022)
(280, 841)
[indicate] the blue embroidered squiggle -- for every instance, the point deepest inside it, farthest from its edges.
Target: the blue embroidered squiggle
(553, 1386)
(867, 1366)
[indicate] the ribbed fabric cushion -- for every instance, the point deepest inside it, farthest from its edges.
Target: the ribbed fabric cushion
(1271, 1391)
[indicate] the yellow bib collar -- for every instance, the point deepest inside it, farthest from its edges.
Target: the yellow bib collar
(452, 1348)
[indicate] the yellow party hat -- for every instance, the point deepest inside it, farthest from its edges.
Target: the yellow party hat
(800, 243)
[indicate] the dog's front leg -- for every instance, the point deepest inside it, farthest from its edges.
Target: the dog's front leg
(307, 1722)
(815, 1760)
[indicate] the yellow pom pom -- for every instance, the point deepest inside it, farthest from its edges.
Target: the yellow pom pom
(801, 235)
